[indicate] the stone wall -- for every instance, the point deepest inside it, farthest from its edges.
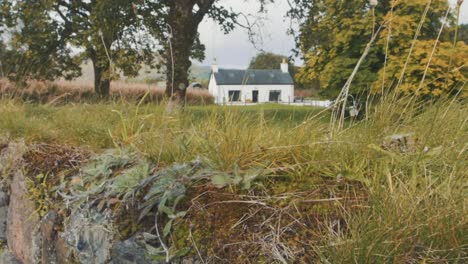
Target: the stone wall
(86, 235)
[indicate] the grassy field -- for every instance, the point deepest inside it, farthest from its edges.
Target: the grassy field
(101, 126)
(62, 92)
(412, 194)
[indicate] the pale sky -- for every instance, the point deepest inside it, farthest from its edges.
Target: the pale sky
(235, 51)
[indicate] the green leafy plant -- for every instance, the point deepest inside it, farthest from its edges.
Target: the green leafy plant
(244, 179)
(40, 191)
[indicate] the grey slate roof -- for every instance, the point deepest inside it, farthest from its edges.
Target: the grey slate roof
(249, 77)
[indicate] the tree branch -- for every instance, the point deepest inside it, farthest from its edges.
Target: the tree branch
(204, 8)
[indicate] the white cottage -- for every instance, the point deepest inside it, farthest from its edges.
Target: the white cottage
(256, 86)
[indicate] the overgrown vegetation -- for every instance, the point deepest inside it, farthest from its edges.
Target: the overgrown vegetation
(92, 124)
(415, 49)
(357, 196)
(63, 92)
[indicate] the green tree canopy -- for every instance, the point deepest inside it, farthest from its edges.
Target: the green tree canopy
(56, 36)
(462, 33)
(115, 34)
(335, 34)
(269, 61)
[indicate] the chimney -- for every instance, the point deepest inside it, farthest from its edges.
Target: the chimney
(214, 66)
(284, 66)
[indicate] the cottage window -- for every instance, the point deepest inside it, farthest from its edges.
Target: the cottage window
(234, 96)
(275, 96)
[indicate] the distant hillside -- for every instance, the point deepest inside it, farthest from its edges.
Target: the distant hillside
(200, 72)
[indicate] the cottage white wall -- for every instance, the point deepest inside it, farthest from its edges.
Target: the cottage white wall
(213, 87)
(221, 94)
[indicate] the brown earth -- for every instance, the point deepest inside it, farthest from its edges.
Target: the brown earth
(230, 227)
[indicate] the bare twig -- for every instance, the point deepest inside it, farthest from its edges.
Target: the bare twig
(195, 244)
(253, 30)
(238, 201)
(244, 218)
(165, 248)
(343, 96)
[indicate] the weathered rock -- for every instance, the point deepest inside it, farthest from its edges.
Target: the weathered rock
(63, 251)
(53, 247)
(90, 235)
(3, 199)
(187, 260)
(400, 142)
(134, 250)
(3, 223)
(3, 216)
(22, 222)
(11, 158)
(7, 258)
(128, 252)
(48, 235)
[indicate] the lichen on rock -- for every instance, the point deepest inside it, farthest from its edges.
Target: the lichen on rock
(90, 235)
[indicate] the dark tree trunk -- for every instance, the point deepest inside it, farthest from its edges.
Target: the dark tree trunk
(101, 74)
(101, 83)
(184, 26)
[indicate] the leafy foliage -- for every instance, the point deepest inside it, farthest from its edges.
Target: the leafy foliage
(335, 34)
(108, 33)
(463, 33)
(244, 179)
(40, 191)
(445, 74)
(113, 35)
(40, 51)
(268, 61)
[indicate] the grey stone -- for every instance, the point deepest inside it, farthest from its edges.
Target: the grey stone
(187, 260)
(3, 223)
(90, 235)
(401, 142)
(128, 252)
(23, 222)
(53, 247)
(7, 258)
(3, 199)
(11, 159)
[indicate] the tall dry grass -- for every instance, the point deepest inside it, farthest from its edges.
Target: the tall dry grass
(62, 92)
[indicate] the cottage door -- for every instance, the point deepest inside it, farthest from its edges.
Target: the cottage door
(255, 96)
